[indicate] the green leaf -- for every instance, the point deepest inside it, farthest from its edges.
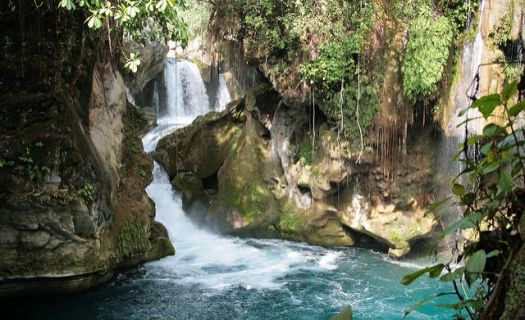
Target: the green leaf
(487, 104)
(468, 222)
(505, 182)
(509, 90)
(516, 109)
(409, 278)
(423, 302)
(458, 189)
(468, 198)
(456, 274)
(493, 253)
(475, 264)
(489, 168)
(490, 129)
(473, 140)
(486, 148)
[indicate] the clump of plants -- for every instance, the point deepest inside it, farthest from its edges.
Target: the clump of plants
(132, 241)
(427, 52)
(27, 164)
(288, 222)
(341, 83)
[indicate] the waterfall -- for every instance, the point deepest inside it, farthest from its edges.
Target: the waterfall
(223, 94)
(204, 258)
(186, 96)
(468, 84)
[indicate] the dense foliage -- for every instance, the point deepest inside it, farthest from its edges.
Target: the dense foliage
(490, 188)
(141, 21)
(426, 54)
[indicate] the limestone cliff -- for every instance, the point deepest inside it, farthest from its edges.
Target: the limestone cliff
(72, 171)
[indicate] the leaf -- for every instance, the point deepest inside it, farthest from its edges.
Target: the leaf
(456, 274)
(409, 278)
(486, 148)
(490, 129)
(509, 91)
(487, 104)
(475, 264)
(424, 302)
(516, 109)
(458, 189)
(493, 253)
(468, 198)
(505, 182)
(462, 112)
(473, 140)
(468, 222)
(489, 168)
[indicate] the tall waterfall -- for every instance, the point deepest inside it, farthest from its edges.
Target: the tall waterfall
(468, 84)
(186, 96)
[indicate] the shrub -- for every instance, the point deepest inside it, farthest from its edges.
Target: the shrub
(426, 54)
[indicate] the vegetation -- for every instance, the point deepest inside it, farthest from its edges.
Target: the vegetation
(86, 192)
(288, 222)
(140, 21)
(132, 241)
(490, 189)
(427, 51)
(28, 164)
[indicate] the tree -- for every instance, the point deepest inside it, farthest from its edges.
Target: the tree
(138, 20)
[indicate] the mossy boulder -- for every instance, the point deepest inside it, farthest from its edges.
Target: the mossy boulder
(203, 146)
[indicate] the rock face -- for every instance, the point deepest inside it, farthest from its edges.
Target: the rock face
(72, 170)
(251, 170)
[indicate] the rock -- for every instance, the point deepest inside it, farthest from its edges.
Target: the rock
(84, 225)
(189, 184)
(345, 314)
(398, 252)
(8, 236)
(153, 57)
(387, 225)
(31, 240)
(202, 147)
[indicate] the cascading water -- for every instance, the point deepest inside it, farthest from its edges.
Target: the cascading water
(468, 85)
(223, 94)
(186, 96)
(219, 277)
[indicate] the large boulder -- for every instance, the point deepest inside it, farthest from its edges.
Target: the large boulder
(252, 171)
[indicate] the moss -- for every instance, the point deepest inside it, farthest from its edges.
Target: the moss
(251, 201)
(135, 122)
(234, 140)
(132, 241)
(289, 222)
(515, 299)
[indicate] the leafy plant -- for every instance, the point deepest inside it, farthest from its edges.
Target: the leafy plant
(132, 240)
(26, 164)
(86, 192)
(427, 51)
(139, 20)
(490, 189)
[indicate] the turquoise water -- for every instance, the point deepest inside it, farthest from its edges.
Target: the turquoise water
(218, 277)
(366, 280)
